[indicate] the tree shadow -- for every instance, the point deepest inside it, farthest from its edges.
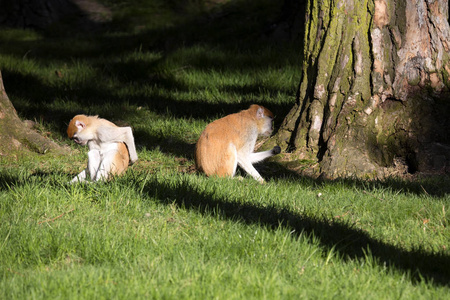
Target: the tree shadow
(77, 43)
(349, 243)
(169, 145)
(437, 186)
(90, 94)
(8, 180)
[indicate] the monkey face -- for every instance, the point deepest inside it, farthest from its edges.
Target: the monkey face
(266, 126)
(268, 131)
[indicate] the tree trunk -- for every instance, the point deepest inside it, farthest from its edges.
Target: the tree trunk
(374, 95)
(15, 136)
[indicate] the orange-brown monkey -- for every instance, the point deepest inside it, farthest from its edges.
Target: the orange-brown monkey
(111, 148)
(230, 141)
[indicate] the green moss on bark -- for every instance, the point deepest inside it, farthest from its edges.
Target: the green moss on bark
(374, 111)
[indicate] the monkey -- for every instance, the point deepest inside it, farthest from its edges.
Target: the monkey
(111, 148)
(230, 141)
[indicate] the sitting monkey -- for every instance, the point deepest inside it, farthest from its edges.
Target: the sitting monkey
(230, 141)
(111, 148)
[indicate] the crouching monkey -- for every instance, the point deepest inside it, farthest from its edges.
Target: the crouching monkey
(111, 148)
(230, 141)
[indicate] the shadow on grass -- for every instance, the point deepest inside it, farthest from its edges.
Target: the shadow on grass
(434, 186)
(8, 181)
(167, 145)
(237, 48)
(89, 94)
(12, 180)
(349, 243)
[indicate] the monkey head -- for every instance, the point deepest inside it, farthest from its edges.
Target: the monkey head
(79, 131)
(264, 118)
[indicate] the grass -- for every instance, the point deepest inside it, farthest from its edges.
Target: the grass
(164, 231)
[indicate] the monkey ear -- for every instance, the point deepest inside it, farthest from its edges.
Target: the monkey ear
(80, 125)
(260, 113)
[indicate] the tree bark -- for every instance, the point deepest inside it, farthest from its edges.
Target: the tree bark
(15, 136)
(374, 95)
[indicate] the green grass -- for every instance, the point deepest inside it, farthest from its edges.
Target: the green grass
(164, 231)
(175, 235)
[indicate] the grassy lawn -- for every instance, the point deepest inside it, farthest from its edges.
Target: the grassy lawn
(168, 68)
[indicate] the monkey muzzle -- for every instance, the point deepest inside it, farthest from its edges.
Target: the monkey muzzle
(268, 132)
(269, 129)
(79, 141)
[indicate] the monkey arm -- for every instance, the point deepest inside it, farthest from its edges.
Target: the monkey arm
(119, 135)
(259, 156)
(244, 163)
(94, 159)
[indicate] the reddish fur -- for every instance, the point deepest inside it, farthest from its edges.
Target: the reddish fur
(216, 147)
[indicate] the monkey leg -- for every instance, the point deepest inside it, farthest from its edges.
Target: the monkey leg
(228, 162)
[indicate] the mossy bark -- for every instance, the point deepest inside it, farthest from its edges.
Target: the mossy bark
(15, 136)
(373, 98)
